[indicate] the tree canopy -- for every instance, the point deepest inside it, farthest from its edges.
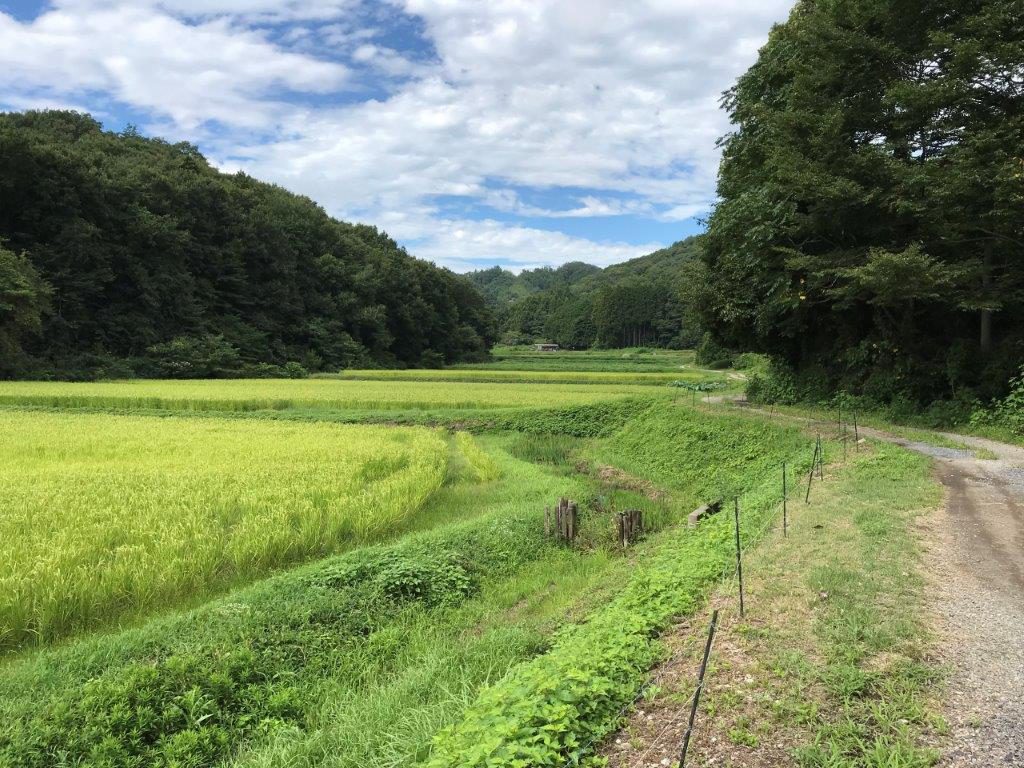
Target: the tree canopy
(869, 232)
(117, 250)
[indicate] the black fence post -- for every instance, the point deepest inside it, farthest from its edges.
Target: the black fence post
(739, 556)
(784, 494)
(700, 688)
(856, 434)
(810, 475)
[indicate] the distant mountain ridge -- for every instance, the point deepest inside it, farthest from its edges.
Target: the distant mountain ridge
(646, 300)
(500, 287)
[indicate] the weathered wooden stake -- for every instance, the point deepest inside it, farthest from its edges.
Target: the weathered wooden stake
(856, 434)
(700, 687)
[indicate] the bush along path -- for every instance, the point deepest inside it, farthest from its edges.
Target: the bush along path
(832, 664)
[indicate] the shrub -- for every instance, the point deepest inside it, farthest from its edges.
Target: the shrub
(772, 384)
(195, 357)
(1008, 412)
(713, 355)
(295, 370)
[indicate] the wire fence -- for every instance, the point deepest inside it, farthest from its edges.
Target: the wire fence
(726, 581)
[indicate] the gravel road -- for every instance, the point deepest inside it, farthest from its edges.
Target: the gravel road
(976, 558)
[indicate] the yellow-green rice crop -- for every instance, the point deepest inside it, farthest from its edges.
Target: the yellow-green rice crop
(104, 518)
(280, 394)
(484, 375)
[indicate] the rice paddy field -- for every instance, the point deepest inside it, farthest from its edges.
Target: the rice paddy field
(103, 518)
(387, 393)
(187, 582)
(499, 376)
(638, 360)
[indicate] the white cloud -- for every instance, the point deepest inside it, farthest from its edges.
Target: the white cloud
(190, 73)
(616, 102)
(465, 245)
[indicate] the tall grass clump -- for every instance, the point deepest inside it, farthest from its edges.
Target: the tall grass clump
(105, 518)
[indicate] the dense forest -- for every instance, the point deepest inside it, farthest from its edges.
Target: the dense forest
(123, 255)
(646, 301)
(870, 234)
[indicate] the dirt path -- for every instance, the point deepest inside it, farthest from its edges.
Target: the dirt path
(976, 558)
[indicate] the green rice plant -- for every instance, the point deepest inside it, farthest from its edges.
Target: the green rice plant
(105, 518)
(286, 394)
(483, 466)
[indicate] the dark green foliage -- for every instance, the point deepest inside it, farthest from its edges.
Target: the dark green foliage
(1007, 412)
(869, 231)
(153, 256)
(644, 301)
(190, 357)
(23, 299)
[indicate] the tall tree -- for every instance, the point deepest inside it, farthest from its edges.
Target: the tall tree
(869, 227)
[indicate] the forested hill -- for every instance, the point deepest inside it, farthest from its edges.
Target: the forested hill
(121, 254)
(649, 300)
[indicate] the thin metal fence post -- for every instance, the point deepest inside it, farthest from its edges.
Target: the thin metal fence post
(810, 475)
(739, 556)
(700, 688)
(856, 434)
(784, 494)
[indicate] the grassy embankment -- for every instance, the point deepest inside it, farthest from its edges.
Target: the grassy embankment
(833, 665)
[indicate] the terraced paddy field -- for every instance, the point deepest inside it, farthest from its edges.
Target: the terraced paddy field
(501, 376)
(194, 590)
(386, 394)
(598, 360)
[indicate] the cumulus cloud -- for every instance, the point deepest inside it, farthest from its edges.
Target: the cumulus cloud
(609, 109)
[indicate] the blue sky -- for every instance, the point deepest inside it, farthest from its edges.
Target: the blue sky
(513, 132)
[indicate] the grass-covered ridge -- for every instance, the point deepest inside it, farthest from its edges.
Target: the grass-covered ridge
(105, 518)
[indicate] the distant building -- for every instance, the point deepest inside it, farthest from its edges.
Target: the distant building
(546, 347)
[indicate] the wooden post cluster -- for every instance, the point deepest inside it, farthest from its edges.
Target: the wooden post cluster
(630, 526)
(563, 521)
